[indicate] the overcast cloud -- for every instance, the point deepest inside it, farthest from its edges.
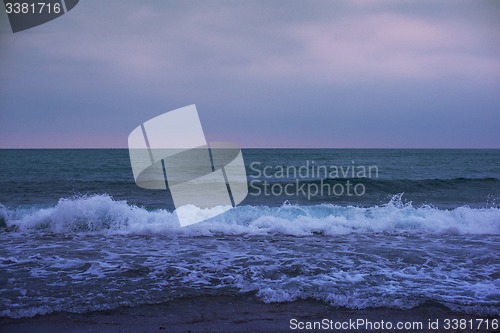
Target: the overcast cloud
(262, 73)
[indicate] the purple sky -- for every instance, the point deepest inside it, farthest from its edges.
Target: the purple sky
(410, 74)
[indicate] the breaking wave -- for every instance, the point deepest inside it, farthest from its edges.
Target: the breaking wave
(103, 214)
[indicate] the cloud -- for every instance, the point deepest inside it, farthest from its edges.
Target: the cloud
(381, 46)
(263, 66)
(156, 42)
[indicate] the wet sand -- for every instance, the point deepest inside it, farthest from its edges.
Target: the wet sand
(229, 314)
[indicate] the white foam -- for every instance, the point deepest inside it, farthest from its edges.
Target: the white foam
(102, 214)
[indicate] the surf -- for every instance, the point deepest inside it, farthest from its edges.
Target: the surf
(103, 214)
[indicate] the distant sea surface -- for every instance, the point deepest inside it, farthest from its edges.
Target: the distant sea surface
(350, 227)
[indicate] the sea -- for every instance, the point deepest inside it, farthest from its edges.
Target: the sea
(354, 228)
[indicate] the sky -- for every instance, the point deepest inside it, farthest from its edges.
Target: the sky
(333, 74)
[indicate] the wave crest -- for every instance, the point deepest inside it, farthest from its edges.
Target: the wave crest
(103, 214)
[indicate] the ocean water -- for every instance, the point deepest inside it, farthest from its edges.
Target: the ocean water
(354, 228)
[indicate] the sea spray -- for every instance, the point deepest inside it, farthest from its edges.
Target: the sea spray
(103, 214)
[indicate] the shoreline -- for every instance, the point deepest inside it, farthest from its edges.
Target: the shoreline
(233, 314)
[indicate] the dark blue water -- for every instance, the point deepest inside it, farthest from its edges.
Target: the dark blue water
(443, 178)
(78, 235)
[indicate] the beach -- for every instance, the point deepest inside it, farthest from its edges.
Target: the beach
(234, 314)
(84, 249)
(250, 166)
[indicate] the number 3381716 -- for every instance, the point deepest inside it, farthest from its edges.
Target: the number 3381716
(32, 8)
